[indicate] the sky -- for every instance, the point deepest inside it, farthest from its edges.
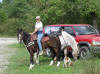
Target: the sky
(0, 0)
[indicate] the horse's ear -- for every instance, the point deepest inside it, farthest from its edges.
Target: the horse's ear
(20, 30)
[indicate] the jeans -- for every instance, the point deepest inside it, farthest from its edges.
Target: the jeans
(39, 38)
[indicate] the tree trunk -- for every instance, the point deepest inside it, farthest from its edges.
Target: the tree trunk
(94, 20)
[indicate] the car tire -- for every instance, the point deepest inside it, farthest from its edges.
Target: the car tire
(84, 52)
(48, 52)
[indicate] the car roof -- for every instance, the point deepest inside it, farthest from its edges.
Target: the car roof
(68, 25)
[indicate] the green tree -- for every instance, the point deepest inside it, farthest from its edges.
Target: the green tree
(21, 13)
(3, 16)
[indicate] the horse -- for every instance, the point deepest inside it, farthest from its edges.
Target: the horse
(53, 43)
(66, 41)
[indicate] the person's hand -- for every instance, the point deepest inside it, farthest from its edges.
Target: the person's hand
(30, 33)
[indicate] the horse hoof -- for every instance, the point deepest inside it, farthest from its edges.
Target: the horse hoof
(31, 66)
(58, 64)
(37, 62)
(51, 63)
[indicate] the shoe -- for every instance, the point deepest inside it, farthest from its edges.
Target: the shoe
(41, 53)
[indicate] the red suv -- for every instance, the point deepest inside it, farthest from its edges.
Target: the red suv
(84, 34)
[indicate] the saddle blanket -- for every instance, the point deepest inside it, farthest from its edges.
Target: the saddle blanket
(45, 39)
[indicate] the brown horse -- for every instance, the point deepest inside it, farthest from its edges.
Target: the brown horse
(53, 44)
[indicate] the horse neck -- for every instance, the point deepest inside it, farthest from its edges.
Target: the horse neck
(26, 39)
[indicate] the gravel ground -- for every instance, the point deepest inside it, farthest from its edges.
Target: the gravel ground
(5, 52)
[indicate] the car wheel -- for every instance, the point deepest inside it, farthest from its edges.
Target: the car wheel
(48, 52)
(84, 52)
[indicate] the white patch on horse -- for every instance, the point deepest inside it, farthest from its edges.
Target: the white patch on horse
(31, 66)
(19, 37)
(65, 52)
(58, 63)
(68, 40)
(51, 63)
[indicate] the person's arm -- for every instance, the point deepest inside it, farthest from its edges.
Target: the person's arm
(35, 31)
(37, 28)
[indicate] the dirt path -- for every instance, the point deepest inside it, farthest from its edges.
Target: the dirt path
(5, 52)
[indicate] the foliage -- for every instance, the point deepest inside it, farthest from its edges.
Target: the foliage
(23, 12)
(3, 16)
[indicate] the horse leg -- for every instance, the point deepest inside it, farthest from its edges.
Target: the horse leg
(58, 54)
(65, 55)
(37, 58)
(31, 61)
(58, 59)
(52, 61)
(75, 55)
(62, 54)
(65, 52)
(53, 56)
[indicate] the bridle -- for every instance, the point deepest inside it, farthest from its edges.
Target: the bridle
(19, 38)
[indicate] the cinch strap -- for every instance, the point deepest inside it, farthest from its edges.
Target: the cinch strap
(29, 44)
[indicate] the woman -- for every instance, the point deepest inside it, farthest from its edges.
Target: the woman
(38, 30)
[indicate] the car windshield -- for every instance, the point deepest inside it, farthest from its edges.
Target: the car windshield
(85, 30)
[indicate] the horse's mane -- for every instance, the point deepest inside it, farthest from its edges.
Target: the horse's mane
(26, 34)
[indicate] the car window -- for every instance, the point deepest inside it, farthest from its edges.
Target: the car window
(55, 29)
(69, 30)
(50, 29)
(85, 30)
(47, 30)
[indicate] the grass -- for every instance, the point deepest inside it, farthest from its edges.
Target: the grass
(19, 64)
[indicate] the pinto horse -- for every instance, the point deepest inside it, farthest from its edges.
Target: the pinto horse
(53, 44)
(68, 40)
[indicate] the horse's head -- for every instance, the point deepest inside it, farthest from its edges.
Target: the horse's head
(20, 34)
